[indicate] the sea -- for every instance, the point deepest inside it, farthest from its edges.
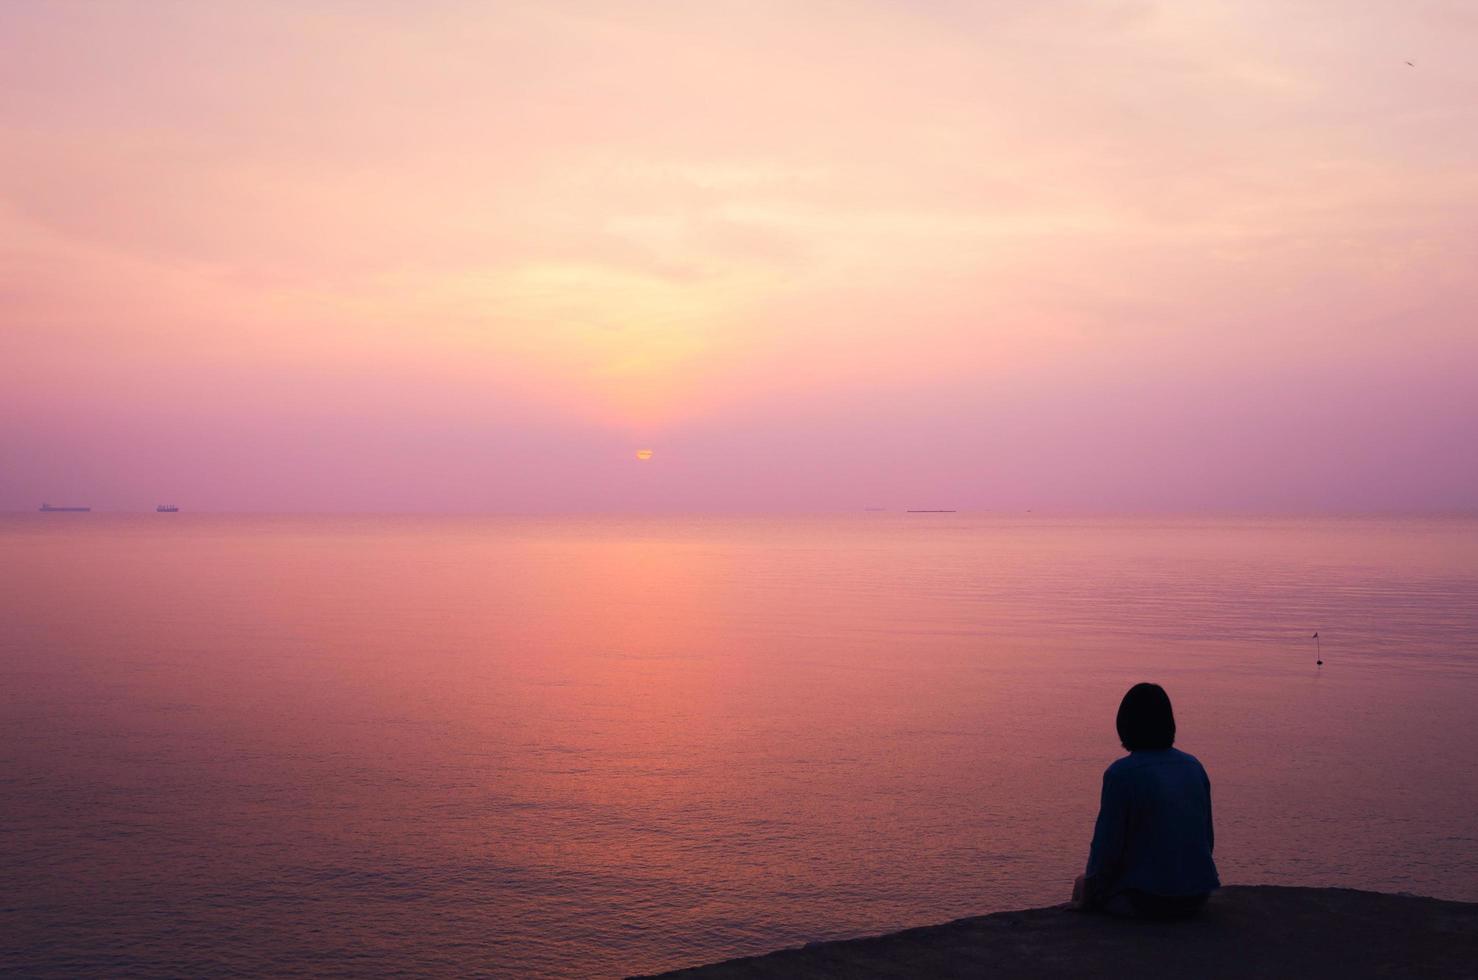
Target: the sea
(339, 746)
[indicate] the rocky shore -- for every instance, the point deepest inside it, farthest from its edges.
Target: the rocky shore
(1260, 931)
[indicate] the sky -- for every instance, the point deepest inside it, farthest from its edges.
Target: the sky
(1085, 256)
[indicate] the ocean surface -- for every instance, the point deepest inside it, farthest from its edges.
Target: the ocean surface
(341, 746)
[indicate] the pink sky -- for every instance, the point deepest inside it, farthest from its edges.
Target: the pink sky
(1059, 254)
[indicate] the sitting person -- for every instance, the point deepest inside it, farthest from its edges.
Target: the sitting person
(1151, 853)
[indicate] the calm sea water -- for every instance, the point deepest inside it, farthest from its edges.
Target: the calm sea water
(348, 745)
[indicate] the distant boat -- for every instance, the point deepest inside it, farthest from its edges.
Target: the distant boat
(929, 512)
(167, 509)
(48, 509)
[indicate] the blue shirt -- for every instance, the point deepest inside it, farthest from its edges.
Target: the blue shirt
(1154, 827)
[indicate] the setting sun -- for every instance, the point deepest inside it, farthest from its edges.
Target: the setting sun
(643, 454)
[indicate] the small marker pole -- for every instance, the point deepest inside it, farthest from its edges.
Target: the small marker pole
(1318, 652)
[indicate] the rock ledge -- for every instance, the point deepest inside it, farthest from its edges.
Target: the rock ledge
(1244, 932)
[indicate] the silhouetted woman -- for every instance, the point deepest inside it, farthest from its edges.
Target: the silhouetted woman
(1151, 853)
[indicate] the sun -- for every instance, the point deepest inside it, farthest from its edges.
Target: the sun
(643, 454)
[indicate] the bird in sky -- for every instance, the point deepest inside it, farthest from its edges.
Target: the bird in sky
(1412, 64)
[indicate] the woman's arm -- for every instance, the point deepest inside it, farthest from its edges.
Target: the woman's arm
(1210, 828)
(1106, 856)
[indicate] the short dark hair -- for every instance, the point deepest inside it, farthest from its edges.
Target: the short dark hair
(1145, 720)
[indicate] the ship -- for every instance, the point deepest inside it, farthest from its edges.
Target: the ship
(167, 509)
(48, 509)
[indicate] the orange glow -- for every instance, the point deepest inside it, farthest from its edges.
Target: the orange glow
(644, 454)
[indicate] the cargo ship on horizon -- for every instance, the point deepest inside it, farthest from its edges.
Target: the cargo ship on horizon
(167, 509)
(48, 509)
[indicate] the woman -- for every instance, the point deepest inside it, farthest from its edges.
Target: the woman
(1151, 853)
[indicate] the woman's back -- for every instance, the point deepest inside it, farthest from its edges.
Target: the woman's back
(1154, 832)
